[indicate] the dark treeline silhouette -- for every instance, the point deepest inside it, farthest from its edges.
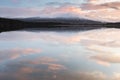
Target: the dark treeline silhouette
(15, 24)
(112, 25)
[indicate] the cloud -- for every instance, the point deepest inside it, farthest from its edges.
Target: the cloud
(101, 1)
(26, 69)
(11, 54)
(49, 37)
(55, 67)
(64, 9)
(113, 5)
(104, 43)
(104, 55)
(43, 60)
(106, 59)
(92, 76)
(61, 4)
(48, 11)
(60, 10)
(105, 48)
(99, 10)
(89, 7)
(97, 75)
(104, 11)
(105, 37)
(18, 12)
(116, 76)
(51, 64)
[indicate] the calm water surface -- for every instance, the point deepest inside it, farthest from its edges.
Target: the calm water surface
(52, 55)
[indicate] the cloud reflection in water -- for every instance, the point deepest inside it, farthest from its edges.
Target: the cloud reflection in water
(88, 55)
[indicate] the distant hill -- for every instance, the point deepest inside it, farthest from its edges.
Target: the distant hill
(61, 20)
(55, 23)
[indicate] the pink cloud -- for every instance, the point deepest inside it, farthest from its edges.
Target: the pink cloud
(62, 9)
(51, 64)
(104, 63)
(56, 67)
(101, 1)
(106, 59)
(100, 10)
(16, 53)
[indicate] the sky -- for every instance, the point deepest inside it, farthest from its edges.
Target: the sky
(100, 10)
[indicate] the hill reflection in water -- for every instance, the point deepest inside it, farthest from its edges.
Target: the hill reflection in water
(50, 55)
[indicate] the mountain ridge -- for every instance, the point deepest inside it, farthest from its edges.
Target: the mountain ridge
(50, 23)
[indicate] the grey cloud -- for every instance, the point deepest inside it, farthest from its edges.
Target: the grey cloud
(92, 7)
(111, 5)
(18, 12)
(61, 4)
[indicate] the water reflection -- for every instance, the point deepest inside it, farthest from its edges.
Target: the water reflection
(87, 55)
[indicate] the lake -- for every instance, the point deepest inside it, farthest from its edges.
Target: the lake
(60, 55)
